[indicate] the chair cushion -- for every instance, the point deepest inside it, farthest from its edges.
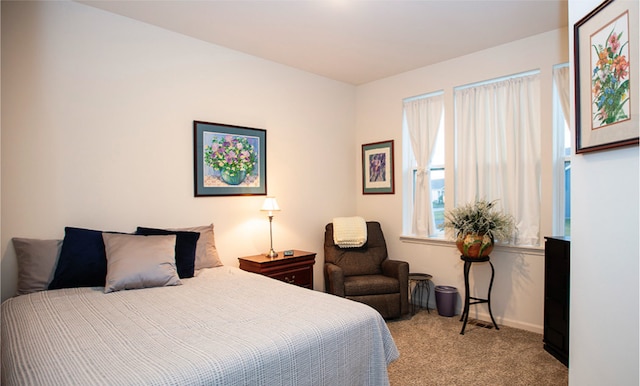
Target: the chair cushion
(370, 285)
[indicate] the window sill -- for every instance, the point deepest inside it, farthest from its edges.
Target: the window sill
(441, 241)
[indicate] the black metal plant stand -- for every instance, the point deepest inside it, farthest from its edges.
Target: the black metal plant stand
(421, 281)
(468, 299)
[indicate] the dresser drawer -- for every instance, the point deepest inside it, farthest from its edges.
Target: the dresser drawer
(301, 277)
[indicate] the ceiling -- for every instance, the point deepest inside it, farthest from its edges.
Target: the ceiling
(352, 41)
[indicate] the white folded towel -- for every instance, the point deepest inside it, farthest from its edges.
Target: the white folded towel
(349, 232)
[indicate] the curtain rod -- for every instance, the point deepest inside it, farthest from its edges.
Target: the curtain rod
(422, 96)
(495, 80)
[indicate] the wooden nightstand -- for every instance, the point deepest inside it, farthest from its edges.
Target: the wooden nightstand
(296, 269)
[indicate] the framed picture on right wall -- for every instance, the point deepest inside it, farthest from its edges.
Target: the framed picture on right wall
(606, 77)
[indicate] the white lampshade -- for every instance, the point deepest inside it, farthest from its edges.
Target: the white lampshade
(270, 204)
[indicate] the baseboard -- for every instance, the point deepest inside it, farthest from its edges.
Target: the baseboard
(538, 329)
(521, 325)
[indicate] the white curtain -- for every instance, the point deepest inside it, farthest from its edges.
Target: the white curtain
(423, 117)
(498, 150)
(561, 85)
(561, 80)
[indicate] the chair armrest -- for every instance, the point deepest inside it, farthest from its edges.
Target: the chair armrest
(333, 279)
(400, 270)
(397, 269)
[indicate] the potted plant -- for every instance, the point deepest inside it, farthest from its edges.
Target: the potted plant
(477, 225)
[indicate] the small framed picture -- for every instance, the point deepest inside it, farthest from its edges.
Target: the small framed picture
(229, 160)
(606, 77)
(377, 168)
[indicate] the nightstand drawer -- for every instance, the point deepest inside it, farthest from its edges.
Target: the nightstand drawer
(296, 269)
(302, 277)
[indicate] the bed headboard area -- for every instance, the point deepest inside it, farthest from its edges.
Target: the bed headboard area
(85, 257)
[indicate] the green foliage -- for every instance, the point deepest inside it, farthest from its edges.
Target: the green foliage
(482, 218)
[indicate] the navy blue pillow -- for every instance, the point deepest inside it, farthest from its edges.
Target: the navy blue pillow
(82, 261)
(185, 248)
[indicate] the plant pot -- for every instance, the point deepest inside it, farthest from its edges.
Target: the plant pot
(233, 179)
(472, 245)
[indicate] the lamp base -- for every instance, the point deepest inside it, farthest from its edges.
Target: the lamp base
(272, 254)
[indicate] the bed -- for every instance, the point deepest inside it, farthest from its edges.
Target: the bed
(223, 326)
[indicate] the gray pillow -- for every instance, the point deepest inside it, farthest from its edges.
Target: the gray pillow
(206, 252)
(135, 261)
(37, 261)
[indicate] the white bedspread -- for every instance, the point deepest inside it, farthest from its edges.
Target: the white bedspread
(223, 327)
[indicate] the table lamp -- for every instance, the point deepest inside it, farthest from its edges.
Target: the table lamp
(270, 205)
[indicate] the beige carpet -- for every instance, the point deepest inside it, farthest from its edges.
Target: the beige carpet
(432, 352)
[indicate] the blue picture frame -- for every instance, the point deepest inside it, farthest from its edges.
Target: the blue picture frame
(229, 160)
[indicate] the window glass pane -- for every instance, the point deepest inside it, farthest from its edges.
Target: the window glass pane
(567, 140)
(437, 193)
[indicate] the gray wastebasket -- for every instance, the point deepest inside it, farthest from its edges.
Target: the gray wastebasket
(446, 298)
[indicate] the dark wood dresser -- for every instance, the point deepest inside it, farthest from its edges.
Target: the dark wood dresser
(296, 269)
(556, 297)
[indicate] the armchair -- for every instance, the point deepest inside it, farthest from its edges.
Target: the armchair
(366, 274)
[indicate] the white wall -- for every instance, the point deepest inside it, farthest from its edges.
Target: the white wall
(517, 297)
(604, 328)
(97, 132)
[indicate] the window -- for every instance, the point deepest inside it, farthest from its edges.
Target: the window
(423, 164)
(436, 181)
(565, 214)
(496, 133)
(562, 145)
(497, 149)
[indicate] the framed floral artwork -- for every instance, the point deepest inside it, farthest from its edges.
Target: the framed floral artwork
(606, 77)
(377, 168)
(229, 160)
